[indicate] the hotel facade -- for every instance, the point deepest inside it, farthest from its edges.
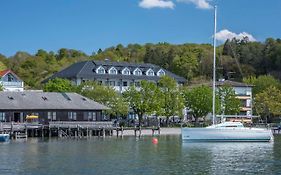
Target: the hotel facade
(118, 75)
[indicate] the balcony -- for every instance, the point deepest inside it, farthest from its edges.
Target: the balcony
(12, 84)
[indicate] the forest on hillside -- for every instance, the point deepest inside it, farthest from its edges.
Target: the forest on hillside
(236, 59)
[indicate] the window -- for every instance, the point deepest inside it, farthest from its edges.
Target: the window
(125, 83)
(112, 83)
(137, 72)
(10, 77)
(150, 72)
(52, 116)
(2, 116)
(160, 73)
(126, 71)
(72, 115)
(92, 116)
(100, 70)
(112, 70)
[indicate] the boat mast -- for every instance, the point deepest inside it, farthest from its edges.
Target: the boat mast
(214, 64)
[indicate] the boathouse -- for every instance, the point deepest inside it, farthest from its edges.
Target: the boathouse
(49, 107)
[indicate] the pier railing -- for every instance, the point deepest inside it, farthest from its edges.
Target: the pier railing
(81, 124)
(18, 126)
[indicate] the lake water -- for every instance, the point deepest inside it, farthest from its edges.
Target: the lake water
(130, 155)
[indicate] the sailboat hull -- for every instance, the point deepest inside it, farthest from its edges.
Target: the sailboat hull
(226, 135)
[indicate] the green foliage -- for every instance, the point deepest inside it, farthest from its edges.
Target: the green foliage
(1, 87)
(185, 65)
(262, 82)
(146, 100)
(107, 96)
(172, 99)
(199, 101)
(268, 102)
(187, 60)
(2, 66)
(230, 105)
(59, 85)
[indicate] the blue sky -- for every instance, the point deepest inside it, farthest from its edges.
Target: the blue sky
(87, 25)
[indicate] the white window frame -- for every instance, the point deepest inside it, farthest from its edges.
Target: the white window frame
(137, 70)
(148, 71)
(52, 116)
(97, 70)
(161, 72)
(112, 69)
(2, 117)
(72, 116)
(127, 70)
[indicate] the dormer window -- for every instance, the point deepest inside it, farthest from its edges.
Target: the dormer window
(112, 70)
(160, 73)
(137, 72)
(126, 71)
(100, 70)
(150, 72)
(10, 78)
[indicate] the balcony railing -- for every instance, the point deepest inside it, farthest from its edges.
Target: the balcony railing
(11, 84)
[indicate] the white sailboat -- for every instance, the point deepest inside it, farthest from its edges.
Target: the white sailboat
(225, 131)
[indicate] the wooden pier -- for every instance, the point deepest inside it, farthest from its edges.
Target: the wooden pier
(70, 129)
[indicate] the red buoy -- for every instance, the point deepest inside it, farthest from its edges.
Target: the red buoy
(155, 141)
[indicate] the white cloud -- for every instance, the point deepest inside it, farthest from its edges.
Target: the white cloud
(201, 4)
(148, 4)
(225, 34)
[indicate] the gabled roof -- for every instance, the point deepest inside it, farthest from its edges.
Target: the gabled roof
(46, 101)
(86, 70)
(232, 83)
(5, 72)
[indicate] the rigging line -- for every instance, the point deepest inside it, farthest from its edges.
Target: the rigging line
(236, 60)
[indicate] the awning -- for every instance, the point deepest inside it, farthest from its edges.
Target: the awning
(31, 117)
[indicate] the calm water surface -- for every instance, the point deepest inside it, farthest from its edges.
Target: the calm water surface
(130, 155)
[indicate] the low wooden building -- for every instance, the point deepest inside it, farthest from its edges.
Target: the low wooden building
(49, 106)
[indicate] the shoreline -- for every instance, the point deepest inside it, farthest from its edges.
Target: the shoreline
(148, 132)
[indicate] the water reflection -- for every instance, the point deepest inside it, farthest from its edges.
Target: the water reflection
(228, 158)
(131, 155)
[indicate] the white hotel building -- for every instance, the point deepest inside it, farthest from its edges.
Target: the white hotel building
(119, 75)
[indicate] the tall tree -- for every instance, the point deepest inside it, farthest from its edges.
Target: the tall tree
(107, 96)
(59, 85)
(173, 102)
(268, 102)
(199, 101)
(144, 100)
(262, 82)
(230, 105)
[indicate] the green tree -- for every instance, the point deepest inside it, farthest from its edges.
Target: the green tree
(268, 103)
(230, 105)
(107, 96)
(2, 66)
(144, 100)
(59, 85)
(262, 82)
(1, 87)
(173, 102)
(199, 101)
(185, 65)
